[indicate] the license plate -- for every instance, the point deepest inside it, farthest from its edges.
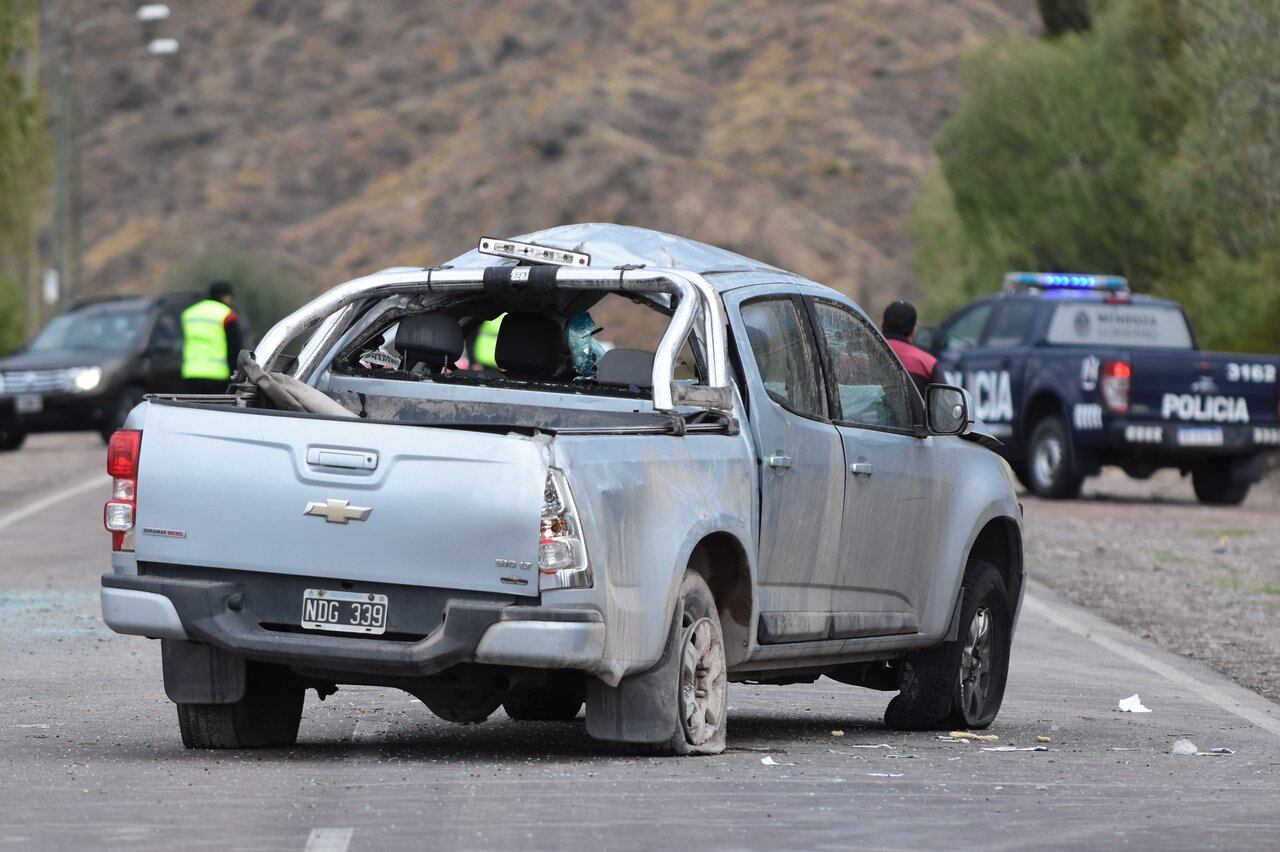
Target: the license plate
(1200, 436)
(344, 612)
(28, 403)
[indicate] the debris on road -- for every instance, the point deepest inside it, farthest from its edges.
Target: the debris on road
(1184, 747)
(1042, 739)
(769, 761)
(884, 774)
(870, 745)
(1016, 748)
(969, 735)
(1133, 704)
(837, 733)
(1218, 751)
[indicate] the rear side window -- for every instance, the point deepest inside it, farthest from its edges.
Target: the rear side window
(783, 350)
(1010, 326)
(870, 381)
(1154, 326)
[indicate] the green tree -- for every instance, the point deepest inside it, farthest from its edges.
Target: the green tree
(1148, 146)
(23, 164)
(262, 295)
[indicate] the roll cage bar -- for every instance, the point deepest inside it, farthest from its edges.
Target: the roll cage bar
(332, 314)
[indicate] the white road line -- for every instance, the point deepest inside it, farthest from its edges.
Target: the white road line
(52, 500)
(1208, 692)
(329, 839)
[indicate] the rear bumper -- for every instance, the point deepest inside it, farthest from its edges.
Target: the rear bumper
(1174, 442)
(229, 615)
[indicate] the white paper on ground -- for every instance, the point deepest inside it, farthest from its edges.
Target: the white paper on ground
(1133, 704)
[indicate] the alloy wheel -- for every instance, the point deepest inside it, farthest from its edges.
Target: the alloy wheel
(975, 664)
(702, 681)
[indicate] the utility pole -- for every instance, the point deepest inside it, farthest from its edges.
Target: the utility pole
(29, 252)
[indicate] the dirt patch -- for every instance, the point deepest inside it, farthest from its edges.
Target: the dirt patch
(1202, 581)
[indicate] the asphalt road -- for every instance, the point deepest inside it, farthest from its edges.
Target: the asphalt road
(90, 754)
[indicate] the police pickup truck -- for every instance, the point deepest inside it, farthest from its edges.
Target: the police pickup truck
(1073, 372)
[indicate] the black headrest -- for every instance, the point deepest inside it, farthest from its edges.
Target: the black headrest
(529, 344)
(434, 339)
(626, 367)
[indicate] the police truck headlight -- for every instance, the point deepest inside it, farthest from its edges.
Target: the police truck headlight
(85, 379)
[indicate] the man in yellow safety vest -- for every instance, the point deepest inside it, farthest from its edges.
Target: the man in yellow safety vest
(211, 341)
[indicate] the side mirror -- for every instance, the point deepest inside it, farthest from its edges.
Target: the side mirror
(949, 410)
(926, 338)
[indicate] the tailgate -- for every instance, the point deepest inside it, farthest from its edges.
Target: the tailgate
(1204, 387)
(254, 491)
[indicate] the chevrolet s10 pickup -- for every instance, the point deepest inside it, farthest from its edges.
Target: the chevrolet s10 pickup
(461, 487)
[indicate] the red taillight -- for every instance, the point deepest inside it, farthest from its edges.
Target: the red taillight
(123, 451)
(1114, 384)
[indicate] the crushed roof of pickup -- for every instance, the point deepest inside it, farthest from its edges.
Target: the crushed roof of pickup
(618, 245)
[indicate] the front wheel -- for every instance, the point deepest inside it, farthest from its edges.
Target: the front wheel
(118, 410)
(268, 714)
(1215, 487)
(960, 683)
(1049, 465)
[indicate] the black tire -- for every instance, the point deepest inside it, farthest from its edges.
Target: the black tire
(558, 700)
(1214, 486)
(960, 683)
(680, 706)
(113, 418)
(11, 440)
(268, 715)
(1050, 462)
(1021, 473)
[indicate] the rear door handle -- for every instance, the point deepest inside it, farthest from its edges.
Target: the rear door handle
(778, 460)
(862, 469)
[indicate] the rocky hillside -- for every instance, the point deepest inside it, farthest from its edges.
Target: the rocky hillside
(334, 138)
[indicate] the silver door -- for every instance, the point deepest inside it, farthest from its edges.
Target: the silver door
(800, 463)
(890, 537)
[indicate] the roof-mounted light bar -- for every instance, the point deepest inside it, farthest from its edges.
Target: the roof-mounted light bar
(532, 252)
(1065, 281)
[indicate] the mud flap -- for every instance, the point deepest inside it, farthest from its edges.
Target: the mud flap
(642, 708)
(200, 674)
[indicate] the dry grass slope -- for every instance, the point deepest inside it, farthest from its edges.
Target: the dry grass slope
(334, 138)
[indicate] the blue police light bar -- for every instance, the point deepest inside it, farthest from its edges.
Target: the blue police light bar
(1065, 281)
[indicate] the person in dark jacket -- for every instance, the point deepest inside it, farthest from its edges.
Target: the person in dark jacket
(899, 327)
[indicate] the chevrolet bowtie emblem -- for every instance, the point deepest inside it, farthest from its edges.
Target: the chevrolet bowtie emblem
(337, 511)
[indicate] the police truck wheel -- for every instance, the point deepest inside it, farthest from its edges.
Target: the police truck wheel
(1214, 486)
(11, 440)
(1049, 466)
(558, 700)
(960, 683)
(268, 715)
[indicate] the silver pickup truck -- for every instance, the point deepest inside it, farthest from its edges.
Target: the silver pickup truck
(459, 486)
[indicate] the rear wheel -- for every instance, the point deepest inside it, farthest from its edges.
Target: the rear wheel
(960, 683)
(11, 439)
(268, 714)
(558, 700)
(1215, 487)
(680, 706)
(1049, 465)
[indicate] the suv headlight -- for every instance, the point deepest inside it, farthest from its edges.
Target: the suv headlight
(85, 379)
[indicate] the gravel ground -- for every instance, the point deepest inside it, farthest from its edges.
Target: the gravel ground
(1201, 581)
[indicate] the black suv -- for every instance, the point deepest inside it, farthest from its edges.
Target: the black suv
(91, 365)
